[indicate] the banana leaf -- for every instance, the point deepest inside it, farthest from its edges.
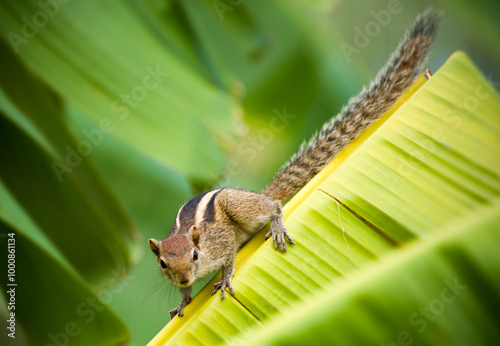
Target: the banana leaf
(80, 55)
(51, 303)
(71, 237)
(445, 290)
(393, 196)
(32, 146)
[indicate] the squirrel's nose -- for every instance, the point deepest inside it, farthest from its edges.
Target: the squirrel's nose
(184, 282)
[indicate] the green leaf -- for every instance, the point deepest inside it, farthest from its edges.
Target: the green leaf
(50, 302)
(441, 291)
(151, 92)
(71, 234)
(427, 163)
(148, 190)
(61, 204)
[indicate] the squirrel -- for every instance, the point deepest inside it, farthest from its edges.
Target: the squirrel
(210, 228)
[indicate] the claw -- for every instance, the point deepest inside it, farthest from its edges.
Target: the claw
(279, 235)
(268, 234)
(176, 311)
(180, 309)
(222, 284)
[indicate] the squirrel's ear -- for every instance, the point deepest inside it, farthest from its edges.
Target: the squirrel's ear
(195, 235)
(154, 245)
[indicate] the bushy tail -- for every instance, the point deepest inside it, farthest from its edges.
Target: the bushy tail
(403, 67)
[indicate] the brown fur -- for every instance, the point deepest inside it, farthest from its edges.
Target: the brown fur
(404, 66)
(174, 246)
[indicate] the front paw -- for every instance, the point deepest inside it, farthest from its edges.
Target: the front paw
(179, 310)
(176, 311)
(279, 233)
(222, 284)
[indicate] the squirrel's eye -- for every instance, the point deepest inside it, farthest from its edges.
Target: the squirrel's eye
(195, 256)
(163, 265)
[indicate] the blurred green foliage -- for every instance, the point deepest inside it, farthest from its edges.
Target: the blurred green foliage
(142, 104)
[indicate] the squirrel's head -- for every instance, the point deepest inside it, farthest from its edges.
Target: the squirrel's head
(178, 257)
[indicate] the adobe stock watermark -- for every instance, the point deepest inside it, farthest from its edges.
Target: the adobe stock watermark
(10, 291)
(363, 36)
(223, 6)
(94, 137)
(427, 314)
(31, 26)
(88, 309)
(253, 145)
